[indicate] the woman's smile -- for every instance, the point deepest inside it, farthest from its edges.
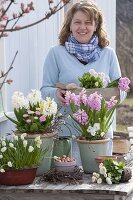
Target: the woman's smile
(81, 27)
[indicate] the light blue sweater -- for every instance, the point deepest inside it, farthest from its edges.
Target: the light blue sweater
(62, 67)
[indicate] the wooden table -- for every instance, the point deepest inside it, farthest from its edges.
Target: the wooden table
(82, 191)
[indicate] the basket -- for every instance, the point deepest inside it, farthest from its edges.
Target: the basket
(121, 144)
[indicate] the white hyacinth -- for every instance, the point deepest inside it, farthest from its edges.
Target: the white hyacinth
(30, 149)
(96, 126)
(34, 97)
(19, 101)
(93, 73)
(9, 164)
(49, 107)
(91, 130)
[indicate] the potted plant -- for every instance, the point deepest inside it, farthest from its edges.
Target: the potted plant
(64, 163)
(19, 159)
(92, 115)
(111, 171)
(36, 116)
(93, 81)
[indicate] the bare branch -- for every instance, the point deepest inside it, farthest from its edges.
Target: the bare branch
(10, 68)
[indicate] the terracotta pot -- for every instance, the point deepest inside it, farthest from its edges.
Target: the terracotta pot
(18, 177)
(65, 166)
(100, 159)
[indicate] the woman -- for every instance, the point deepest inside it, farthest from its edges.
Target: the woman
(83, 46)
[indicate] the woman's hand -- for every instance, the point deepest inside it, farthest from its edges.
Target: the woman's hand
(61, 96)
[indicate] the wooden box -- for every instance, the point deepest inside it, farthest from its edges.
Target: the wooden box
(107, 93)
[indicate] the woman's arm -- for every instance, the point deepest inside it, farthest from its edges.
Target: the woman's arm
(50, 78)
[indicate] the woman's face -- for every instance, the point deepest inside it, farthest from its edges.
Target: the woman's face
(82, 28)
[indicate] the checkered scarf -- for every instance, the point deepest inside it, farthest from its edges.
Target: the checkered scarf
(85, 52)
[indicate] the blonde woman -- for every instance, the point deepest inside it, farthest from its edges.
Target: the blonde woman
(83, 45)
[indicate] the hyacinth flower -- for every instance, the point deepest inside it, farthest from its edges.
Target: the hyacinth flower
(121, 83)
(92, 114)
(33, 114)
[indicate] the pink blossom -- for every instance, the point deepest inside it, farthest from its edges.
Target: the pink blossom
(81, 116)
(38, 112)
(42, 119)
(94, 101)
(25, 115)
(112, 102)
(123, 84)
(28, 120)
(27, 10)
(30, 112)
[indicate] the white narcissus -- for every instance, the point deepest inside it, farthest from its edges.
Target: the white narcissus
(25, 143)
(30, 149)
(1, 156)
(9, 164)
(23, 136)
(11, 145)
(3, 149)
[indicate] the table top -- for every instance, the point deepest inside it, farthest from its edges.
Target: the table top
(84, 186)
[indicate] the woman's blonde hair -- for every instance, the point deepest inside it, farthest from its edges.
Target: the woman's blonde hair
(94, 13)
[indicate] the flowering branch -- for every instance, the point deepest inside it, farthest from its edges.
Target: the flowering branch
(4, 21)
(48, 14)
(4, 75)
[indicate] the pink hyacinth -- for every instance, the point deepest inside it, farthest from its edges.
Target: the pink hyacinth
(123, 83)
(94, 101)
(83, 97)
(112, 102)
(72, 98)
(68, 97)
(81, 116)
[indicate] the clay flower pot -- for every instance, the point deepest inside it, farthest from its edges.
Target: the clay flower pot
(18, 177)
(100, 159)
(65, 166)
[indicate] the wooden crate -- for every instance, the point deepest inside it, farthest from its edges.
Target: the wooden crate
(121, 144)
(107, 93)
